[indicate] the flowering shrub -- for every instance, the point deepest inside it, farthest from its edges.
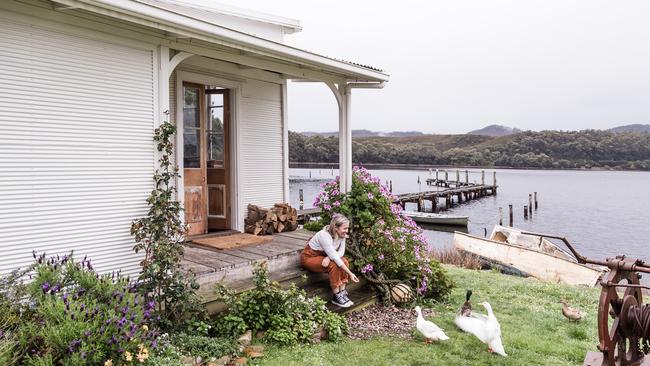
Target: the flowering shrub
(73, 316)
(388, 242)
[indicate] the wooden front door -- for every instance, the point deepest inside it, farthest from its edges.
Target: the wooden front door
(194, 169)
(217, 131)
(206, 116)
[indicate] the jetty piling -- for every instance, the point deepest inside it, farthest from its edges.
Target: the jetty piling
(301, 198)
(530, 205)
(482, 177)
(511, 214)
(535, 200)
(500, 216)
(525, 212)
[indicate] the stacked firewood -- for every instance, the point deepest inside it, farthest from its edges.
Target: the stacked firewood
(263, 221)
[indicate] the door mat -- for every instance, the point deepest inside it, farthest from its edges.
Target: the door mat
(232, 241)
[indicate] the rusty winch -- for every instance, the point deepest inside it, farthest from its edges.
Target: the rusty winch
(623, 318)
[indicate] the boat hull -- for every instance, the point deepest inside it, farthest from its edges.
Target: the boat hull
(435, 219)
(543, 266)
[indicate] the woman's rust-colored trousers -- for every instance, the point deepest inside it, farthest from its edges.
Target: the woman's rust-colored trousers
(311, 260)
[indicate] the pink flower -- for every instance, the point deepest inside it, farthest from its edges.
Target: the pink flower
(337, 203)
(370, 196)
(381, 257)
(367, 268)
(327, 206)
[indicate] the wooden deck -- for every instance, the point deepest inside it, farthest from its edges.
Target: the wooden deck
(234, 268)
(211, 265)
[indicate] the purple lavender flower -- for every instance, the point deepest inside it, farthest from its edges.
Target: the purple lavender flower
(381, 257)
(45, 287)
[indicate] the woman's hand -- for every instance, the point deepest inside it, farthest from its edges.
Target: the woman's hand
(326, 262)
(354, 277)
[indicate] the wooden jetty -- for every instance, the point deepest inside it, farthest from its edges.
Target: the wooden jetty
(455, 191)
(449, 196)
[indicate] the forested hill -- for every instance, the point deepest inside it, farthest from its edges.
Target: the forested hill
(545, 149)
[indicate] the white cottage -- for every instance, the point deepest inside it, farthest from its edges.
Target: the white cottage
(83, 84)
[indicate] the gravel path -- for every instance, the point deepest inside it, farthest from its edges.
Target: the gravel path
(377, 320)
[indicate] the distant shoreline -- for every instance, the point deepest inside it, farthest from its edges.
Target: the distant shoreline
(308, 165)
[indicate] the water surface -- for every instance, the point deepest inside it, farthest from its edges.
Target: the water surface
(603, 213)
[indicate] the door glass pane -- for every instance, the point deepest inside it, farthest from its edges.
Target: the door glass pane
(191, 148)
(215, 137)
(191, 107)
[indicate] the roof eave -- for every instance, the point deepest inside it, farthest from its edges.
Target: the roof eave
(169, 21)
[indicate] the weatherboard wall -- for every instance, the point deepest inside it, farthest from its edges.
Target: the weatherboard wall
(76, 149)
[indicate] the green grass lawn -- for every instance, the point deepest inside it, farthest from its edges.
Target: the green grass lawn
(533, 329)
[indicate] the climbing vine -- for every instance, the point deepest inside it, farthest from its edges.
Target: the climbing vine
(160, 236)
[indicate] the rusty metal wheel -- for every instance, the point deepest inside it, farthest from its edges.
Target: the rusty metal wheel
(619, 348)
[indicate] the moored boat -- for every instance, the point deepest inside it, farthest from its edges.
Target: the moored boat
(437, 219)
(531, 254)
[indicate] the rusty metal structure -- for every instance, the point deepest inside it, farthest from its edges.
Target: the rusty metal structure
(623, 318)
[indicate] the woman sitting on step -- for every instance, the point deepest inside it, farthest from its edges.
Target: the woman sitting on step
(324, 253)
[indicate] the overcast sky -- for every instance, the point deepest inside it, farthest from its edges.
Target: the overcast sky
(460, 65)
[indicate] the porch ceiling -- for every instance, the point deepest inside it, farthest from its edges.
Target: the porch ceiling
(199, 37)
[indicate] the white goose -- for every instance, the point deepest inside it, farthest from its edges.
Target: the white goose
(429, 330)
(485, 328)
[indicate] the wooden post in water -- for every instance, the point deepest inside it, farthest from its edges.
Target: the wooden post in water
(391, 186)
(525, 212)
(535, 200)
(436, 176)
(530, 204)
(446, 175)
(419, 184)
(466, 177)
(310, 174)
(420, 204)
(434, 204)
(500, 216)
(457, 176)
(510, 208)
(301, 198)
(482, 177)
(494, 178)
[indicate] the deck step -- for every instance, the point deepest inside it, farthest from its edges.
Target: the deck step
(315, 284)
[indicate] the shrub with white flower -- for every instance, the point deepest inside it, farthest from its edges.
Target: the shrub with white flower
(389, 242)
